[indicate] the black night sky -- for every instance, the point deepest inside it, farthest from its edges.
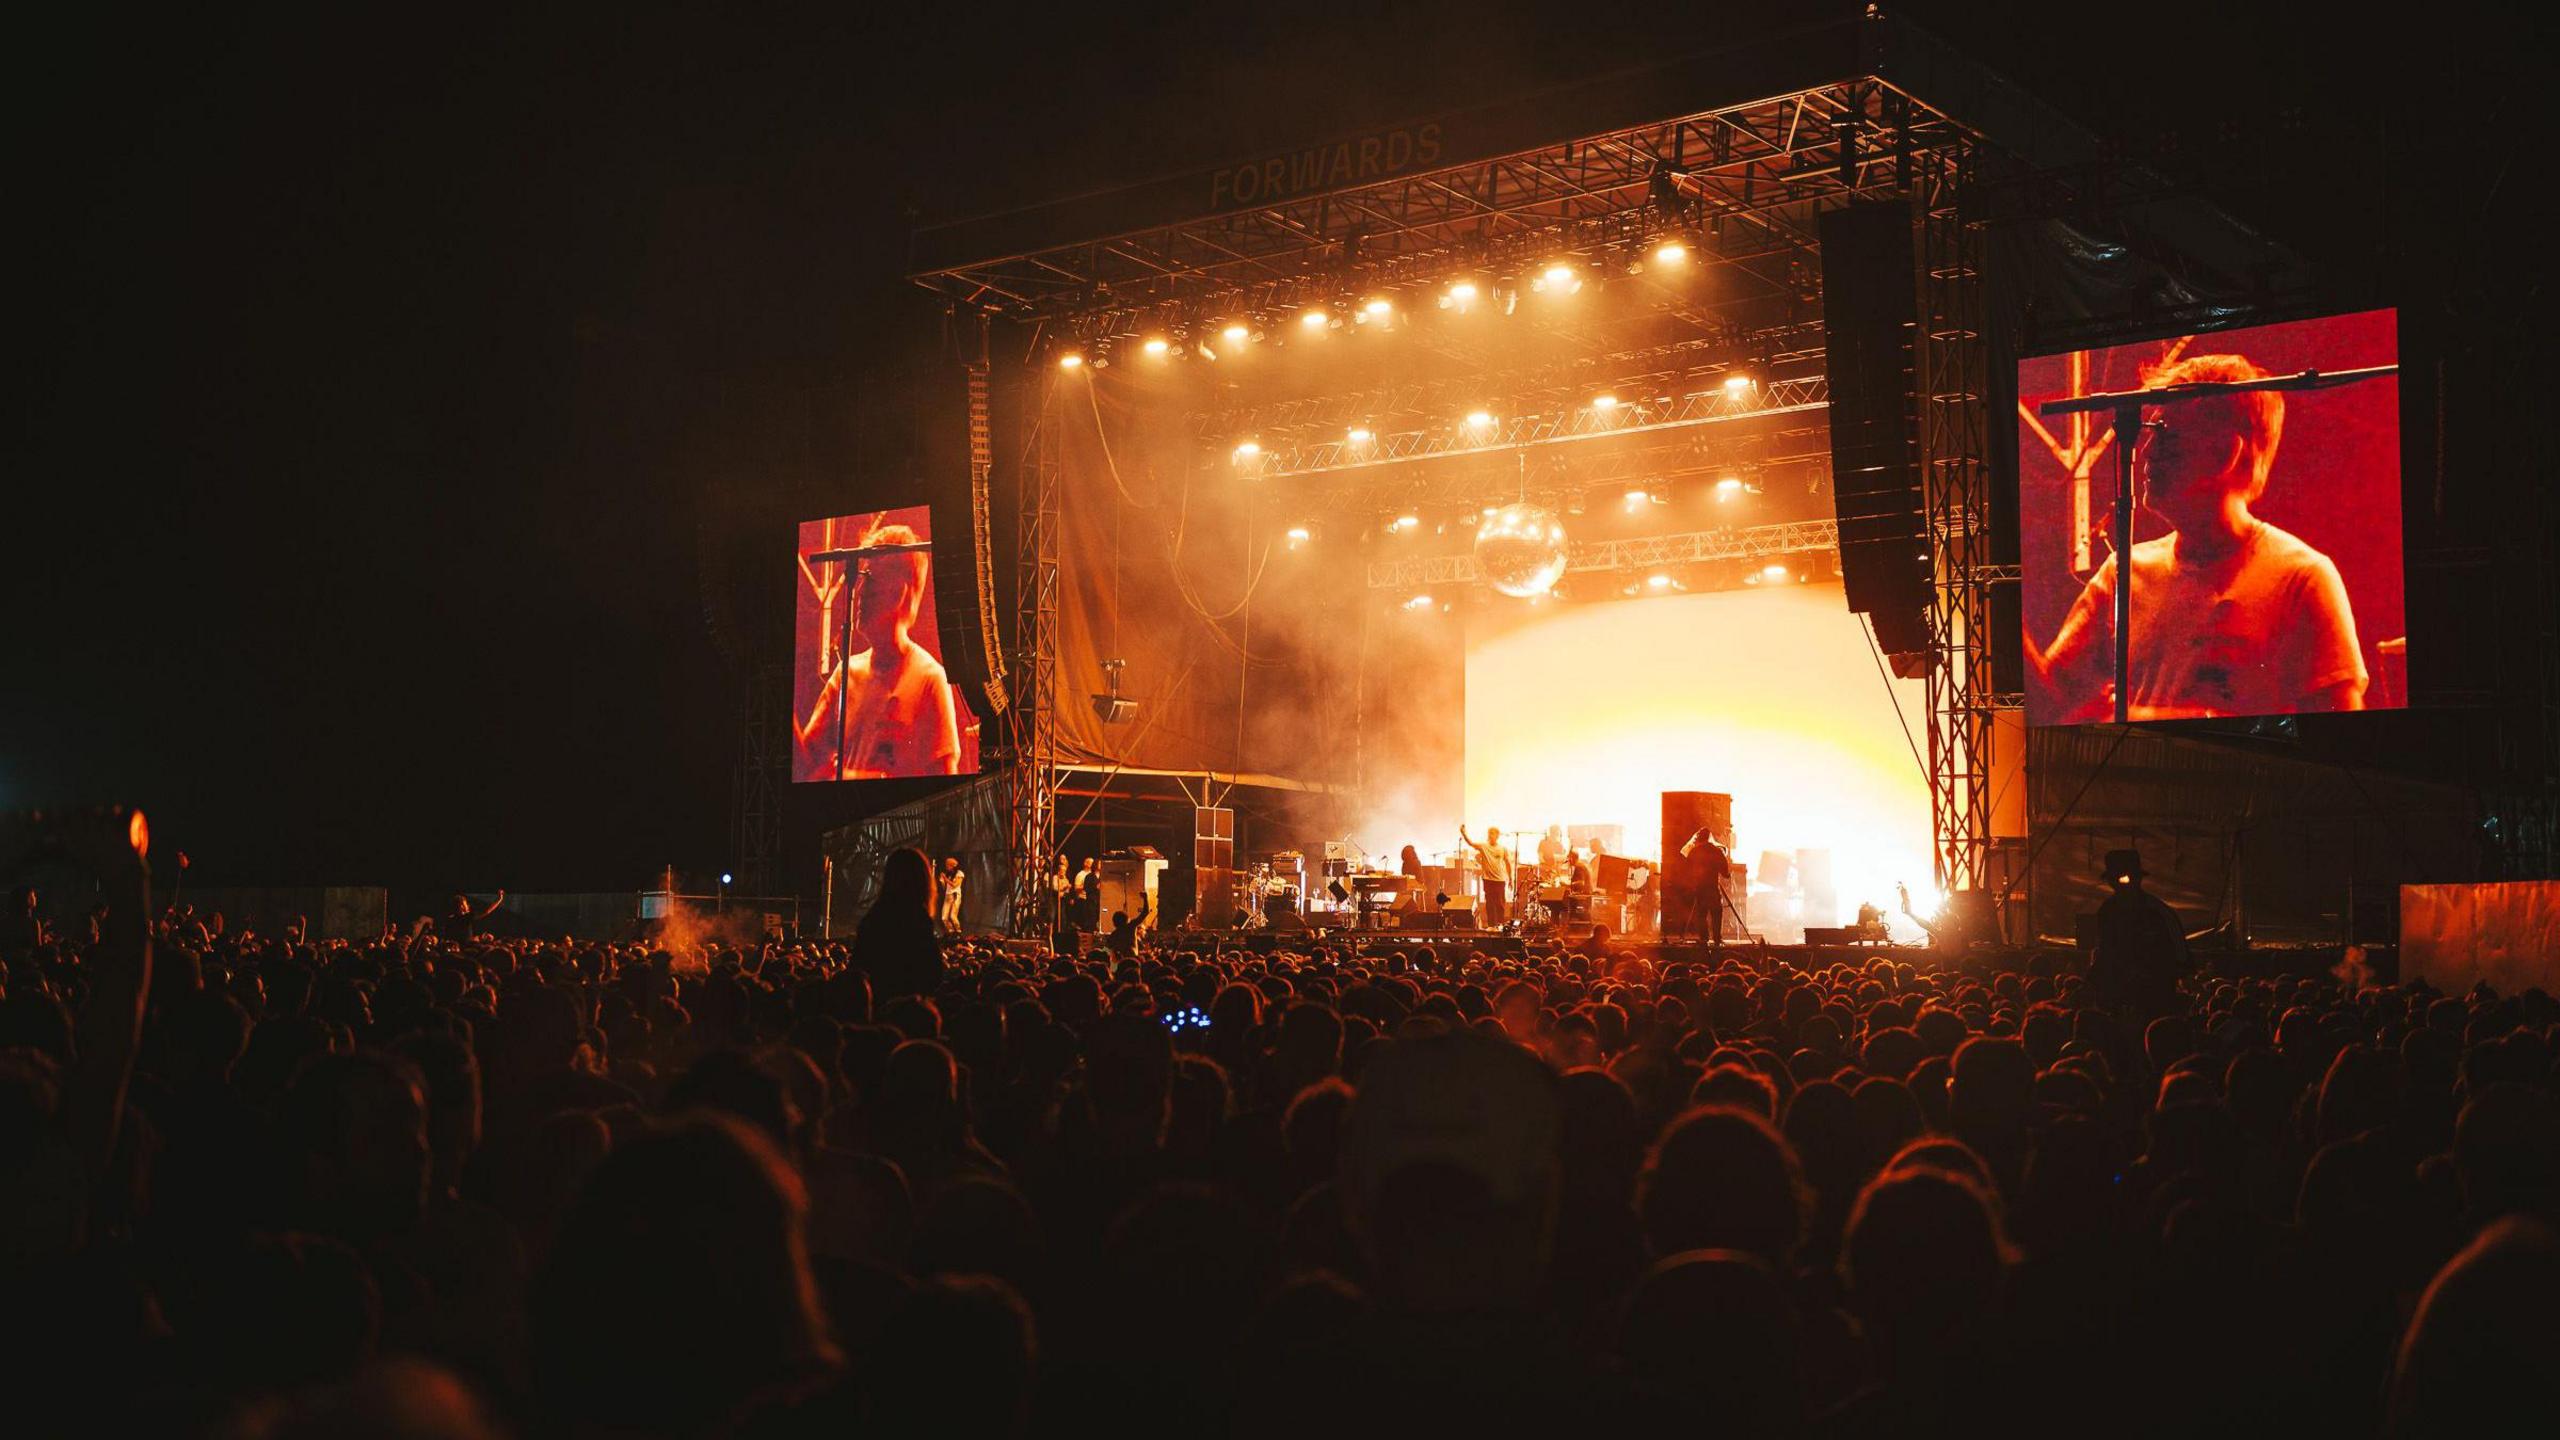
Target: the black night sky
(393, 375)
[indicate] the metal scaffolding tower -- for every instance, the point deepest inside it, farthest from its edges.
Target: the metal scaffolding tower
(1954, 378)
(1031, 766)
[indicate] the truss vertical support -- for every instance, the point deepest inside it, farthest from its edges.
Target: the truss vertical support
(764, 748)
(1031, 773)
(1956, 485)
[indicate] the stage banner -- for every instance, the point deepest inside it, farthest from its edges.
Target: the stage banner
(2505, 933)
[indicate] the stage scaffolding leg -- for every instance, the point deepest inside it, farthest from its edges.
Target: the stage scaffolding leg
(1954, 375)
(1031, 774)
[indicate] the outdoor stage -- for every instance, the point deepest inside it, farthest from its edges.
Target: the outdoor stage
(1517, 467)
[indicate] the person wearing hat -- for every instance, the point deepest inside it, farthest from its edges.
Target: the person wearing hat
(2142, 944)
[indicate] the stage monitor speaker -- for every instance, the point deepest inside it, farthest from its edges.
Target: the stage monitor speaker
(958, 441)
(1216, 895)
(1870, 316)
(1213, 839)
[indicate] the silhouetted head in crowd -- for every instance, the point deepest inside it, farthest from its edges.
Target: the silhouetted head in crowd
(1923, 1262)
(1717, 1326)
(906, 883)
(679, 1287)
(2482, 1354)
(1722, 1178)
(361, 1123)
(1450, 1163)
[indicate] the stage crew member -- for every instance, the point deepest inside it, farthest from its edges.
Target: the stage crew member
(1708, 867)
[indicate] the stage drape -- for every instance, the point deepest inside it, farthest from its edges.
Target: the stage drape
(1242, 652)
(967, 820)
(2231, 827)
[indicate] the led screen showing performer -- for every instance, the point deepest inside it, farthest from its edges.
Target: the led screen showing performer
(870, 700)
(2267, 549)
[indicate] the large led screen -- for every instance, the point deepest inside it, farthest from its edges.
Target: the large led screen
(2266, 535)
(870, 700)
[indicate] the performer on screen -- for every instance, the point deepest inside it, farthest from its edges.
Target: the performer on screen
(1495, 863)
(2231, 615)
(902, 720)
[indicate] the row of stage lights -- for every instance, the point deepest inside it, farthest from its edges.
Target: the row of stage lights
(1725, 491)
(1558, 280)
(1360, 441)
(1659, 582)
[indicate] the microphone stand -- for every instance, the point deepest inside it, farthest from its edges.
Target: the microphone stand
(844, 650)
(2127, 406)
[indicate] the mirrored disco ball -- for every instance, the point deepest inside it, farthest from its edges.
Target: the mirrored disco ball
(1520, 550)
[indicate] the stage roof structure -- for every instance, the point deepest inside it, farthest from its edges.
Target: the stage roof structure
(1759, 136)
(1735, 153)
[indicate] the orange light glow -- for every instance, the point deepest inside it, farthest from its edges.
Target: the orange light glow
(1671, 252)
(1791, 722)
(1157, 345)
(1314, 319)
(1072, 360)
(1236, 334)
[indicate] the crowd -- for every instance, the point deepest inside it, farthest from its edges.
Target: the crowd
(458, 1185)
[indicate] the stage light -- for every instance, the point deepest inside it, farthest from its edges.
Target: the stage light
(1157, 345)
(1297, 536)
(1605, 403)
(1737, 385)
(1407, 522)
(1657, 581)
(1461, 294)
(1314, 318)
(1479, 419)
(1247, 451)
(1377, 309)
(1637, 497)
(1072, 360)
(1728, 487)
(1361, 435)
(1236, 334)
(1670, 252)
(1773, 572)
(1418, 602)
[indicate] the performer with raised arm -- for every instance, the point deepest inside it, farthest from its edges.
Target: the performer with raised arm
(2231, 615)
(1496, 865)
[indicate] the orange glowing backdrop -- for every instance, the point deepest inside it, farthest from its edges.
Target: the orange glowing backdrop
(1585, 713)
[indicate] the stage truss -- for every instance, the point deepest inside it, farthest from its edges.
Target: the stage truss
(1746, 181)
